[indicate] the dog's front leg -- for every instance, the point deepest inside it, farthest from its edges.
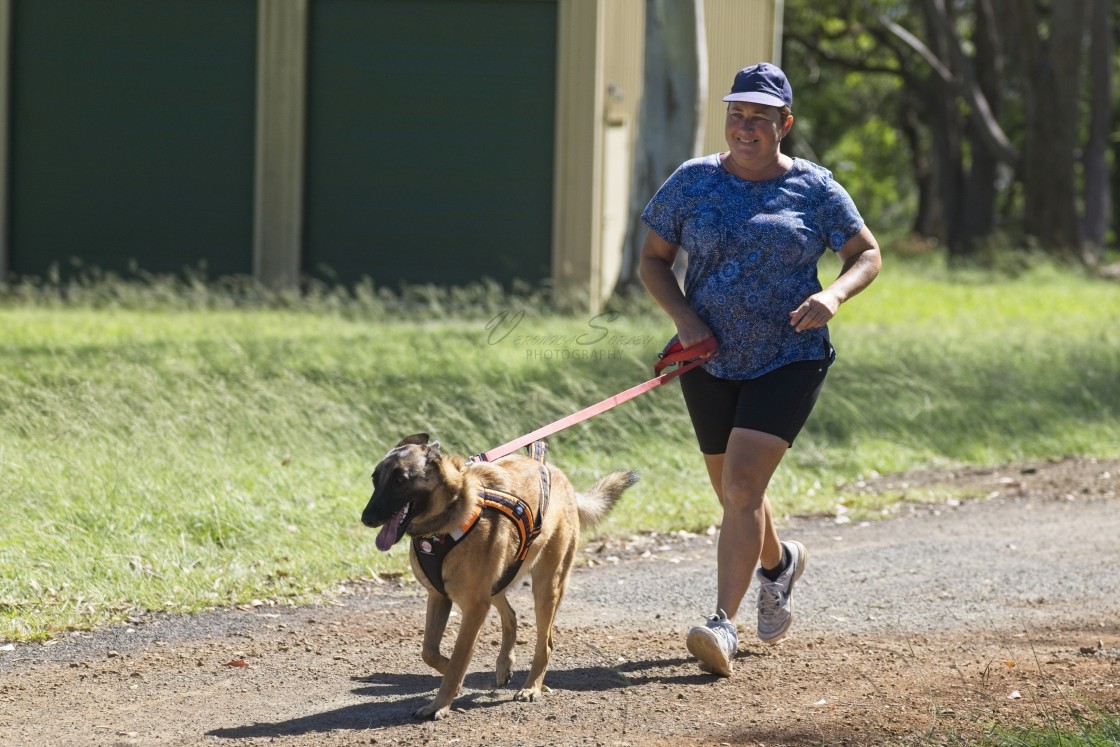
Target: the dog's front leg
(474, 614)
(504, 669)
(439, 609)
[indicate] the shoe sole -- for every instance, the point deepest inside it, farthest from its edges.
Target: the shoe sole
(802, 553)
(706, 647)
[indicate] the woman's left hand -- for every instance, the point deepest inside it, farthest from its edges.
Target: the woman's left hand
(814, 312)
(861, 258)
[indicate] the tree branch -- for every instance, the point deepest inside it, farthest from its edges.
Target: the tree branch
(918, 46)
(966, 85)
(859, 64)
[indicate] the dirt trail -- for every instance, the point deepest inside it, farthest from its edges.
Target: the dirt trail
(1003, 608)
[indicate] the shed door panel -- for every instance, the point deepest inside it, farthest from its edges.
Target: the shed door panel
(430, 140)
(132, 128)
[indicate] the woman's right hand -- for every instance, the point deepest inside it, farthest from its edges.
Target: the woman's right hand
(692, 330)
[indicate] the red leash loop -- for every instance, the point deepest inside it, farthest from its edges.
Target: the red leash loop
(685, 358)
(696, 354)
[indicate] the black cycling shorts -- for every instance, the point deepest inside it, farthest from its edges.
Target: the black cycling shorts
(777, 403)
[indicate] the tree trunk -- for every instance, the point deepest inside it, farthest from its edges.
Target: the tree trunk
(1051, 118)
(671, 123)
(980, 187)
(925, 220)
(944, 129)
(1098, 194)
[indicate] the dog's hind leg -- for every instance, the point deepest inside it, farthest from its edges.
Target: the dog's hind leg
(474, 614)
(504, 669)
(439, 609)
(549, 582)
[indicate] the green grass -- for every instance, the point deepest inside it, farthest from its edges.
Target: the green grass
(1101, 730)
(1084, 725)
(175, 449)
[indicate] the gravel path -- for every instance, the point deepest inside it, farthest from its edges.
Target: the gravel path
(998, 603)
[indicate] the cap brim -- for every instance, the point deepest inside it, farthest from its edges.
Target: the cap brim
(756, 98)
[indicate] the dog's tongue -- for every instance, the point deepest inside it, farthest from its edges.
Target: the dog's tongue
(391, 532)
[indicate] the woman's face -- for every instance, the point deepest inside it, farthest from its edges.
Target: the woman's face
(753, 131)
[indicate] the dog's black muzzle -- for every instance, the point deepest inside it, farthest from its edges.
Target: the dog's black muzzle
(386, 502)
(371, 516)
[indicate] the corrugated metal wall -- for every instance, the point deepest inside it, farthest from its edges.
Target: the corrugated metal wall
(740, 33)
(623, 77)
(430, 140)
(131, 135)
(601, 42)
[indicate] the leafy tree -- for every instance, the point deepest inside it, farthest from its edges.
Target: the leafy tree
(985, 95)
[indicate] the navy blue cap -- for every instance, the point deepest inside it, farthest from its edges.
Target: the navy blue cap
(761, 84)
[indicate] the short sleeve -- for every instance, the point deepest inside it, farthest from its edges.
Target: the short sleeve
(679, 197)
(663, 214)
(838, 217)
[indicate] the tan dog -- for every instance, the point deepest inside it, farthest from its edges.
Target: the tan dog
(434, 498)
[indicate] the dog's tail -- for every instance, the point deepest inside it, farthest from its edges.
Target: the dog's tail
(598, 502)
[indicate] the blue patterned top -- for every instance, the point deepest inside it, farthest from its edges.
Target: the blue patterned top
(753, 249)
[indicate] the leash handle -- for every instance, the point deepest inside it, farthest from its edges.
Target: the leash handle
(688, 358)
(693, 354)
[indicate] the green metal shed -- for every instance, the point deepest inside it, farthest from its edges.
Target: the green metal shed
(409, 141)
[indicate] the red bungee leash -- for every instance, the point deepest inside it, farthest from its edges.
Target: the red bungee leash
(684, 358)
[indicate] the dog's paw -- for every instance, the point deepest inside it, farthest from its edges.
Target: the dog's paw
(433, 711)
(528, 695)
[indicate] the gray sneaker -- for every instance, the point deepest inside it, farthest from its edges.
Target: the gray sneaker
(775, 598)
(714, 644)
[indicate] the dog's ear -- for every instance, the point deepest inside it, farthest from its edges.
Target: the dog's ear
(433, 451)
(419, 439)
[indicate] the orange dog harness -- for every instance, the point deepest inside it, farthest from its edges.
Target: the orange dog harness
(430, 551)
